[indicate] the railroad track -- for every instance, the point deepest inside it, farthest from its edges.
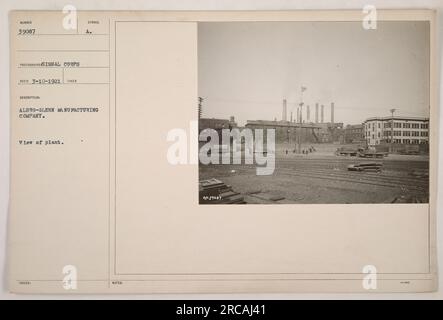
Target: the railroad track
(364, 178)
(336, 170)
(365, 175)
(389, 163)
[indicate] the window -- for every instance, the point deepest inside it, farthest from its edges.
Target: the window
(397, 125)
(424, 126)
(423, 134)
(406, 133)
(406, 125)
(415, 133)
(415, 126)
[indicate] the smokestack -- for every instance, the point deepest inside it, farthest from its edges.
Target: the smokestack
(284, 115)
(316, 112)
(308, 114)
(322, 113)
(332, 112)
(301, 114)
(291, 116)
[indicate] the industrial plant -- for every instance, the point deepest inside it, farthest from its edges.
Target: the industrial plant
(349, 111)
(381, 160)
(397, 133)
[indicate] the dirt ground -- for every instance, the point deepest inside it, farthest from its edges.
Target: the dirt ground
(322, 177)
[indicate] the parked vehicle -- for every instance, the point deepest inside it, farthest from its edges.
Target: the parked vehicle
(371, 153)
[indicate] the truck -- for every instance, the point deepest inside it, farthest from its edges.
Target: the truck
(371, 152)
(363, 152)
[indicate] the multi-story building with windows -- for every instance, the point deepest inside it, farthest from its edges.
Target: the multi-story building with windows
(403, 130)
(353, 133)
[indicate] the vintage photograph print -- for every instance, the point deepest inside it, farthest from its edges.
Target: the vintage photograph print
(313, 112)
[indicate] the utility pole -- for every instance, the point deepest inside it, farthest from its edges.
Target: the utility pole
(392, 129)
(200, 103)
(302, 89)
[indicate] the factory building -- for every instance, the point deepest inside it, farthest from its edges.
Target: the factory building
(302, 126)
(401, 130)
(216, 124)
(288, 132)
(353, 133)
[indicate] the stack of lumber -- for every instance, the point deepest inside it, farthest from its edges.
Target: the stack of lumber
(366, 166)
(214, 191)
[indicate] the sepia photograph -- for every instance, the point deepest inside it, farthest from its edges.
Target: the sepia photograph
(313, 112)
(130, 130)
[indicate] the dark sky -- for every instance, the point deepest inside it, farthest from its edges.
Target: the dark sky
(247, 68)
